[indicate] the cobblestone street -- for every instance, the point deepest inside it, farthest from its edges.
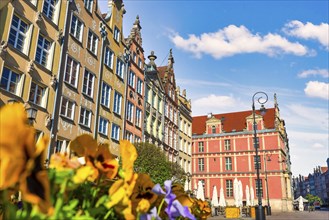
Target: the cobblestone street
(316, 215)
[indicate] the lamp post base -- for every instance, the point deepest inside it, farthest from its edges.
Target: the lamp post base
(260, 213)
(268, 210)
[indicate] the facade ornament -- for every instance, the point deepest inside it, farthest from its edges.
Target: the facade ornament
(102, 29)
(30, 67)
(38, 17)
(60, 36)
(184, 93)
(53, 81)
(48, 120)
(3, 48)
(110, 8)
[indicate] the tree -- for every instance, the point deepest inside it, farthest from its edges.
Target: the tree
(153, 161)
(311, 198)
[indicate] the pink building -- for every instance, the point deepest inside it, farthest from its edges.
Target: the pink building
(222, 150)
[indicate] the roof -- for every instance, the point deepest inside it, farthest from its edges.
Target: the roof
(233, 121)
(162, 70)
(324, 169)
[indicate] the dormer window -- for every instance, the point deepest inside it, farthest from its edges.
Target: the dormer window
(213, 129)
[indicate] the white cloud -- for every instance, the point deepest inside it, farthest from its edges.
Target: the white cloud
(233, 40)
(322, 72)
(309, 31)
(317, 89)
(216, 104)
(317, 145)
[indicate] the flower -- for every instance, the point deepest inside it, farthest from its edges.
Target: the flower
(174, 208)
(21, 159)
(143, 206)
(96, 156)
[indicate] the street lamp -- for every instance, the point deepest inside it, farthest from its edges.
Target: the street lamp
(260, 215)
(188, 175)
(267, 158)
(31, 114)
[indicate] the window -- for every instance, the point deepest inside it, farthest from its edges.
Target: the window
(131, 79)
(109, 56)
(260, 187)
(201, 147)
(115, 132)
(72, 71)
(117, 103)
(103, 126)
(10, 80)
(120, 68)
(229, 188)
(227, 144)
(49, 8)
(116, 34)
(85, 116)
(129, 137)
(88, 5)
(201, 164)
(130, 112)
(76, 28)
(140, 87)
(213, 129)
(140, 64)
(17, 35)
(137, 139)
(92, 42)
(138, 117)
(106, 92)
(134, 57)
(37, 93)
(67, 108)
(88, 83)
(257, 162)
(43, 50)
(228, 163)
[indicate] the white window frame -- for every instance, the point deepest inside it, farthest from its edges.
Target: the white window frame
(86, 117)
(71, 73)
(106, 94)
(92, 40)
(45, 53)
(201, 164)
(117, 103)
(74, 29)
(130, 112)
(43, 94)
(120, 68)
(129, 136)
(18, 83)
(20, 34)
(88, 5)
(131, 79)
(115, 134)
(68, 102)
(55, 7)
(140, 86)
(138, 121)
(109, 57)
(103, 124)
(116, 34)
(228, 163)
(88, 83)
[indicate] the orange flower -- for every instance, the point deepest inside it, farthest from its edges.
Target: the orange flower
(97, 156)
(21, 160)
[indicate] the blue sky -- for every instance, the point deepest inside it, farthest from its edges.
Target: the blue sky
(225, 51)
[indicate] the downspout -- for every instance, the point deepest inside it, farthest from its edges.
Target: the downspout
(103, 36)
(126, 57)
(58, 87)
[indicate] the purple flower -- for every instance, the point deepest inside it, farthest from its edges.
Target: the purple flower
(151, 216)
(174, 208)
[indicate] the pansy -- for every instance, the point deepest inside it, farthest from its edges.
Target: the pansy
(96, 156)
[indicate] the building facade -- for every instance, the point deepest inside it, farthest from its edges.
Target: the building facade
(171, 131)
(154, 100)
(223, 150)
(185, 133)
(135, 83)
(31, 44)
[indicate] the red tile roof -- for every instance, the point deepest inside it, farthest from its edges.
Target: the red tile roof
(162, 71)
(233, 120)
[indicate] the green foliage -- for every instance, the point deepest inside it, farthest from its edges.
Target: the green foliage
(153, 161)
(312, 198)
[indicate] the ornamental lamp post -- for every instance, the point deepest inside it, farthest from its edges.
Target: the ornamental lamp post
(31, 114)
(260, 215)
(267, 158)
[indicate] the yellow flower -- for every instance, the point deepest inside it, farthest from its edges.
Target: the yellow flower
(61, 162)
(96, 156)
(128, 154)
(83, 173)
(21, 160)
(143, 206)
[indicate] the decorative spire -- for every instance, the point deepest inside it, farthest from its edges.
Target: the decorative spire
(109, 13)
(152, 58)
(170, 60)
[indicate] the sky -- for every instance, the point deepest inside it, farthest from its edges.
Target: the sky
(225, 51)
